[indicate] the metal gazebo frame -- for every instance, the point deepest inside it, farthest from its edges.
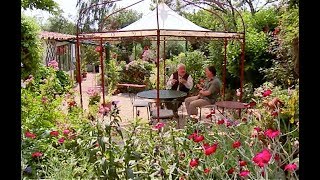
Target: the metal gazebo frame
(109, 36)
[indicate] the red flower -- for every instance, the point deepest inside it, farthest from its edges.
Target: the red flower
(213, 111)
(262, 158)
(267, 93)
(229, 123)
(277, 157)
(271, 133)
(159, 125)
(290, 167)
(221, 121)
(54, 133)
(206, 170)
(244, 173)
(257, 129)
(236, 144)
(209, 116)
(194, 162)
(66, 131)
(191, 136)
(206, 145)
(198, 138)
(36, 154)
(274, 114)
(242, 163)
(211, 149)
(61, 140)
(30, 135)
(98, 48)
(231, 170)
(72, 103)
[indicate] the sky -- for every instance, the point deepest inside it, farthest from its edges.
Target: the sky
(70, 11)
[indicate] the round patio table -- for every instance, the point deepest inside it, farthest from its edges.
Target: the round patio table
(163, 94)
(231, 105)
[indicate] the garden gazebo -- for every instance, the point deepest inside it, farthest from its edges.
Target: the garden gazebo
(161, 22)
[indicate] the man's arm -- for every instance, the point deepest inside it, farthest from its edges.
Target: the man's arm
(189, 83)
(169, 82)
(214, 87)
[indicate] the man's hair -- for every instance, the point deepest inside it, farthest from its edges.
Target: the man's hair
(181, 65)
(212, 69)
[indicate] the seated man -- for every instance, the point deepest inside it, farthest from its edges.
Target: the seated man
(208, 95)
(179, 81)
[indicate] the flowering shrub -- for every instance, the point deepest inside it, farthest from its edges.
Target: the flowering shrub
(94, 96)
(136, 72)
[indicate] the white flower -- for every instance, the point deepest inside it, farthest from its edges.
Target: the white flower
(23, 85)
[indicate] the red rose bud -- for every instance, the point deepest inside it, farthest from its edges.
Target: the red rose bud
(230, 171)
(243, 163)
(194, 162)
(54, 133)
(30, 135)
(206, 170)
(236, 144)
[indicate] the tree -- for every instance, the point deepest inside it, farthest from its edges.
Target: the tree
(92, 18)
(60, 24)
(121, 19)
(46, 5)
(31, 50)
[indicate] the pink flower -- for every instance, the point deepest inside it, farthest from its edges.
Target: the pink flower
(267, 93)
(54, 133)
(271, 133)
(66, 131)
(194, 162)
(36, 154)
(30, 135)
(290, 167)
(98, 49)
(236, 144)
(103, 110)
(257, 129)
(54, 64)
(262, 158)
(208, 150)
(61, 140)
(44, 100)
(244, 173)
(159, 126)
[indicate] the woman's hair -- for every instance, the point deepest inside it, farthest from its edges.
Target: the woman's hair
(212, 69)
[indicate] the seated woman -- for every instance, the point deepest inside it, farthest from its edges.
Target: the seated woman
(208, 95)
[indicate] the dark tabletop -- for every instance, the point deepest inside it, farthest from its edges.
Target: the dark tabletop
(231, 104)
(163, 94)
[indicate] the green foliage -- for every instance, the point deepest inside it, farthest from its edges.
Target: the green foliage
(113, 74)
(89, 55)
(31, 48)
(47, 5)
(285, 54)
(174, 48)
(195, 64)
(59, 23)
(122, 19)
(289, 26)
